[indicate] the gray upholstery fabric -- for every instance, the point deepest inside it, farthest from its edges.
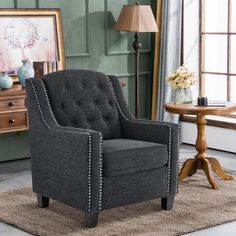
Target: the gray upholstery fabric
(83, 99)
(164, 133)
(141, 186)
(125, 156)
(69, 112)
(59, 164)
(152, 131)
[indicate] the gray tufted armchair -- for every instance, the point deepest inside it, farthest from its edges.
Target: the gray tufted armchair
(87, 149)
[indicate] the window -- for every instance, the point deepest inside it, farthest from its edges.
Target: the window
(218, 50)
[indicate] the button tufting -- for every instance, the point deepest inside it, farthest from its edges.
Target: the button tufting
(100, 86)
(95, 87)
(84, 84)
(86, 102)
(66, 87)
(105, 117)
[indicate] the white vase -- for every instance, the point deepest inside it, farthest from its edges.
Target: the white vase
(183, 95)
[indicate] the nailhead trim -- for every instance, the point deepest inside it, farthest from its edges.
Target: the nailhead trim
(89, 174)
(100, 183)
(159, 123)
(117, 103)
(49, 105)
(177, 179)
(169, 162)
(39, 107)
(89, 148)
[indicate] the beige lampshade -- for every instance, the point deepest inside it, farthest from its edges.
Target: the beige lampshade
(136, 18)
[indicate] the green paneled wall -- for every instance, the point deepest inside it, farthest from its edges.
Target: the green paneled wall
(14, 146)
(91, 43)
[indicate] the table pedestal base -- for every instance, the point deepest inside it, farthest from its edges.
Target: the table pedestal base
(207, 164)
(201, 160)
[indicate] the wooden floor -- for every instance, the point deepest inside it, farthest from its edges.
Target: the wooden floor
(16, 174)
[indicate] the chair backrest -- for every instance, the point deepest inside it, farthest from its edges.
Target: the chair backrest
(83, 99)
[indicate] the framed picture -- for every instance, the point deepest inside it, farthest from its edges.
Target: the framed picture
(30, 34)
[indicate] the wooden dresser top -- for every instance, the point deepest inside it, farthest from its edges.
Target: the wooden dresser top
(16, 90)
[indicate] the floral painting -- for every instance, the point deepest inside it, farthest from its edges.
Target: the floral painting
(30, 37)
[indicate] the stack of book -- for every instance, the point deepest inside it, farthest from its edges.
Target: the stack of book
(42, 68)
(213, 103)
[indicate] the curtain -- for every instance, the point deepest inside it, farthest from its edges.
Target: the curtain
(169, 56)
(156, 60)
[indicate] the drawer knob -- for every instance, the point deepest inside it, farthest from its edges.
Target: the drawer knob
(12, 121)
(11, 104)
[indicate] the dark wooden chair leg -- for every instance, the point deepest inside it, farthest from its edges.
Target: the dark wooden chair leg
(167, 203)
(42, 201)
(91, 219)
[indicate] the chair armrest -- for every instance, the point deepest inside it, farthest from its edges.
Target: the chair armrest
(67, 165)
(152, 131)
(159, 132)
(66, 161)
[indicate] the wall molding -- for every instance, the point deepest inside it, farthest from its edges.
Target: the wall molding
(37, 4)
(88, 32)
(127, 75)
(147, 74)
(16, 3)
(88, 35)
(125, 52)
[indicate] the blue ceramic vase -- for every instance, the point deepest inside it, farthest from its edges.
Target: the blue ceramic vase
(24, 72)
(6, 81)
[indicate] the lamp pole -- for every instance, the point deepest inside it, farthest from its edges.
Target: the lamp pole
(136, 46)
(136, 18)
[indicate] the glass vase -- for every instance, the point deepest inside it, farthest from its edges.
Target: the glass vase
(183, 95)
(24, 72)
(6, 81)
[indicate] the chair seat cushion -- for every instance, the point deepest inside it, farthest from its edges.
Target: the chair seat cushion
(126, 156)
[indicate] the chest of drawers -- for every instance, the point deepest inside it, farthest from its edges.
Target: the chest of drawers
(13, 111)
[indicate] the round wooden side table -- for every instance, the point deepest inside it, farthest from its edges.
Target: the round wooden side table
(201, 160)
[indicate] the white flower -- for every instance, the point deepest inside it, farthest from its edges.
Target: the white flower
(181, 78)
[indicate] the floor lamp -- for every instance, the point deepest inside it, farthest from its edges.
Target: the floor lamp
(136, 18)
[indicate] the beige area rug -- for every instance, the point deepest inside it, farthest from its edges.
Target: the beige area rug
(196, 207)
